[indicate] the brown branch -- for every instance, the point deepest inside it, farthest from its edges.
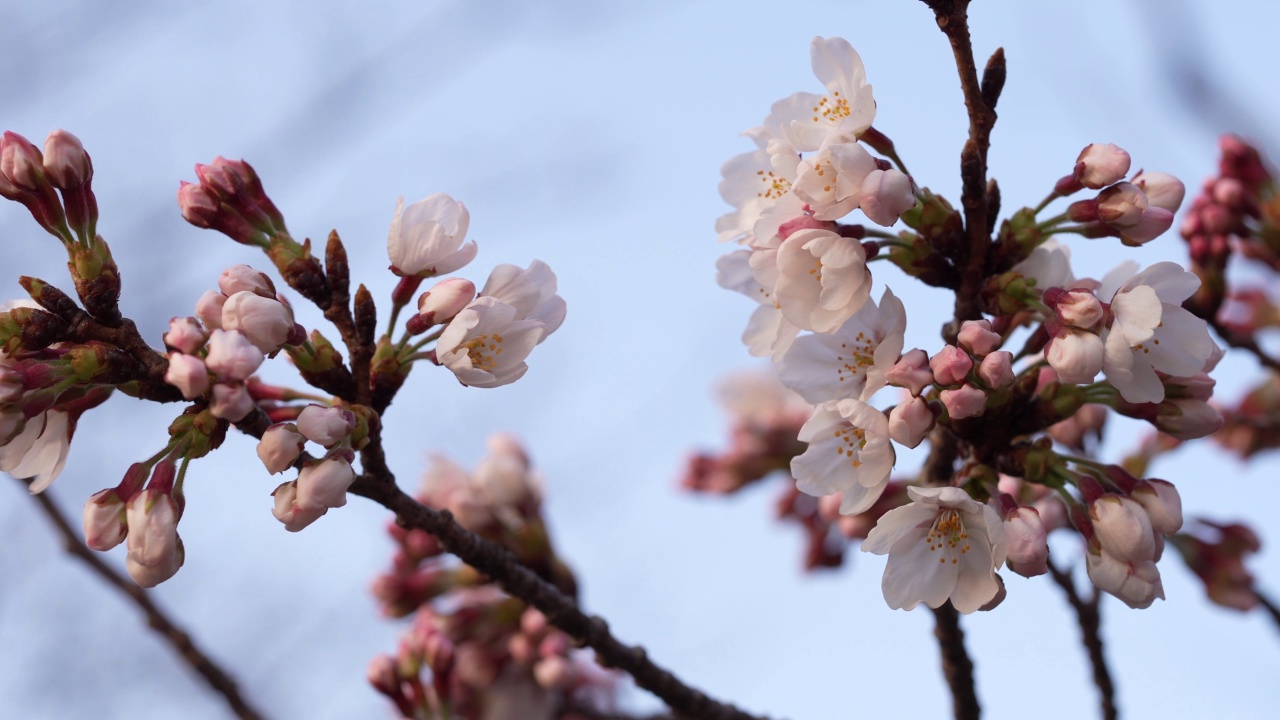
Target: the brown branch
(1267, 604)
(1090, 626)
(979, 99)
(216, 678)
(957, 668)
(1246, 343)
(501, 566)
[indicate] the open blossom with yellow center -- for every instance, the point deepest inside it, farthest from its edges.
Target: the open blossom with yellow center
(486, 344)
(806, 120)
(822, 279)
(849, 453)
(852, 361)
(944, 544)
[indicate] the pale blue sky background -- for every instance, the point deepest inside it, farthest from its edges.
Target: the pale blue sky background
(589, 135)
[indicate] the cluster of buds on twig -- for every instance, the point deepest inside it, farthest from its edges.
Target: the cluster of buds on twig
(472, 651)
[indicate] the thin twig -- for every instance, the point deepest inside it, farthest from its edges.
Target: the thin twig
(497, 562)
(1090, 626)
(217, 678)
(1268, 605)
(957, 667)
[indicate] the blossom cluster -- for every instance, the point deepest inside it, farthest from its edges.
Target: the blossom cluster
(809, 269)
(472, 651)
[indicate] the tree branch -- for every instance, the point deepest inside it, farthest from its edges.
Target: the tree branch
(1090, 624)
(217, 679)
(501, 566)
(1246, 343)
(957, 668)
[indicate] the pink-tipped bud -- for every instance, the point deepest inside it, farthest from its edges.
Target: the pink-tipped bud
(209, 309)
(951, 365)
(104, 520)
(267, 322)
(1163, 505)
(324, 483)
(886, 194)
(912, 372)
(231, 402)
(188, 374)
(280, 447)
(804, 222)
(554, 673)
(996, 369)
(1026, 537)
(202, 208)
(382, 675)
(1123, 528)
(1075, 355)
(155, 552)
(444, 300)
(1100, 165)
(1121, 206)
(327, 426)
(243, 278)
(232, 356)
(533, 622)
(976, 335)
(287, 511)
(66, 164)
(11, 387)
(21, 163)
(1077, 307)
(185, 335)
(964, 401)
(1162, 189)
(1188, 418)
(909, 422)
(1153, 223)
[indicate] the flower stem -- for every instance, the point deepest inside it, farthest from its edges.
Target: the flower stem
(1090, 624)
(957, 667)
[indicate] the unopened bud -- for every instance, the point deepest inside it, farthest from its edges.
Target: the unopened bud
(976, 335)
(287, 511)
(327, 426)
(243, 278)
(188, 374)
(185, 335)
(885, 195)
(912, 372)
(1163, 505)
(951, 365)
(1101, 165)
(104, 520)
(1075, 355)
(910, 422)
(964, 401)
(280, 447)
(444, 300)
(996, 369)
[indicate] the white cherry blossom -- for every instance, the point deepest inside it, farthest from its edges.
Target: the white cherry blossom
(822, 279)
(944, 544)
(485, 345)
(531, 292)
(426, 238)
(40, 451)
(768, 333)
(849, 453)
(805, 120)
(852, 361)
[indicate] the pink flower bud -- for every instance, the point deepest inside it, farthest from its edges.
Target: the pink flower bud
(382, 675)
(104, 520)
(1100, 165)
(231, 402)
(1123, 528)
(996, 369)
(1121, 206)
(265, 321)
(1137, 584)
(280, 447)
(327, 426)
(232, 356)
(1163, 505)
(185, 335)
(909, 423)
(188, 374)
(976, 336)
(11, 386)
(155, 552)
(1078, 308)
(287, 511)
(1075, 355)
(21, 163)
(951, 365)
(324, 483)
(209, 309)
(1162, 189)
(964, 401)
(66, 164)
(242, 278)
(445, 299)
(533, 622)
(886, 194)
(804, 222)
(1153, 223)
(1188, 418)
(911, 371)
(1028, 549)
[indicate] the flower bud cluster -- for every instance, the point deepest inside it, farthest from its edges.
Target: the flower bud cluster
(1215, 552)
(1136, 211)
(229, 198)
(321, 483)
(34, 179)
(238, 326)
(1126, 532)
(147, 517)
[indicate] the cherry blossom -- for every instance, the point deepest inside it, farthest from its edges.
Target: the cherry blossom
(851, 362)
(944, 544)
(426, 237)
(768, 333)
(849, 453)
(805, 120)
(531, 292)
(822, 279)
(486, 344)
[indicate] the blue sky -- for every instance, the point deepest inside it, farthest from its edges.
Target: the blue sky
(589, 135)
